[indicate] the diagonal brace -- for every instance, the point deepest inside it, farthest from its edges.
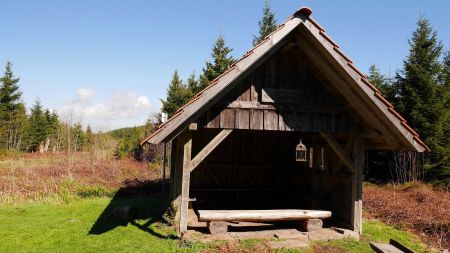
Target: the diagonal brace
(208, 148)
(339, 151)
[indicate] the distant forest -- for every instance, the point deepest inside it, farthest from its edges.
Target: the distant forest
(420, 91)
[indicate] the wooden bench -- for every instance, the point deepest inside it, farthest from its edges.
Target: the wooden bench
(217, 219)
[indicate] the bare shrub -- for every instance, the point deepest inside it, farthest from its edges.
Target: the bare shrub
(55, 176)
(407, 166)
(414, 206)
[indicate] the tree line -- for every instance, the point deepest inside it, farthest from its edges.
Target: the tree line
(39, 130)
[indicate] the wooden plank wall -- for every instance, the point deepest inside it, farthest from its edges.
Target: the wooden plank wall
(257, 169)
(282, 94)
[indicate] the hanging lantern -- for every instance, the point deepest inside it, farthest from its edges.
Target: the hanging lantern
(300, 152)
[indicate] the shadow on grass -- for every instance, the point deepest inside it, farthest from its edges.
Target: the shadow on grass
(138, 200)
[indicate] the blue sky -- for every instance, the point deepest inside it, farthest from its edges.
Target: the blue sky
(109, 62)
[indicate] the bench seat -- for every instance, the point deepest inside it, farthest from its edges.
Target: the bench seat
(261, 215)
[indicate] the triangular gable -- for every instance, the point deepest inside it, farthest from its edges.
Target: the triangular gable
(394, 125)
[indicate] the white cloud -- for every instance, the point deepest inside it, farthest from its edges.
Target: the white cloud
(120, 109)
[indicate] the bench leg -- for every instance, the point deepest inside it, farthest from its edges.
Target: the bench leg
(217, 227)
(311, 224)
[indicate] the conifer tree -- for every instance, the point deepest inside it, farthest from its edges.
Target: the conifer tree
(177, 95)
(422, 100)
(382, 82)
(12, 110)
(193, 84)
(221, 60)
(37, 128)
(267, 24)
(89, 136)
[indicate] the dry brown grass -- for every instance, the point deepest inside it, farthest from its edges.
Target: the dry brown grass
(54, 176)
(416, 207)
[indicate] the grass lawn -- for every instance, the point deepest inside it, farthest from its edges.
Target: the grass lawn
(83, 225)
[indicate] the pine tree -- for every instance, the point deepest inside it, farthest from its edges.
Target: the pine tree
(177, 95)
(267, 24)
(221, 60)
(78, 137)
(421, 96)
(37, 128)
(382, 82)
(193, 84)
(89, 136)
(12, 110)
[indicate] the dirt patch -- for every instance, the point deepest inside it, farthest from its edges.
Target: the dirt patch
(416, 207)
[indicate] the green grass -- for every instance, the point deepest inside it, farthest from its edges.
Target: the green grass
(84, 225)
(44, 227)
(376, 231)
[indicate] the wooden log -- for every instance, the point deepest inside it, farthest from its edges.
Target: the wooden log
(261, 215)
(311, 225)
(217, 227)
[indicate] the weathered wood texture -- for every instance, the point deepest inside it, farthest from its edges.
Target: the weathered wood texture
(283, 94)
(185, 181)
(257, 170)
(261, 215)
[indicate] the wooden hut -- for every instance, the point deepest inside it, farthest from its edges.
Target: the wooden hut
(284, 128)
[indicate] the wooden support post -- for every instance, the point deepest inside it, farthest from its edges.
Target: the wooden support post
(185, 182)
(172, 163)
(164, 163)
(339, 151)
(358, 158)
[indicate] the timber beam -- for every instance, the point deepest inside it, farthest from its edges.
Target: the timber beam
(208, 149)
(342, 154)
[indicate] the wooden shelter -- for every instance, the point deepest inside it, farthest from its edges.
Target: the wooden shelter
(234, 144)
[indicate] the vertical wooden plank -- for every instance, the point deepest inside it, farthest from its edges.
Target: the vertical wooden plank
(256, 119)
(213, 118)
(242, 118)
(270, 120)
(281, 122)
(253, 92)
(227, 118)
(185, 182)
(358, 158)
(172, 162)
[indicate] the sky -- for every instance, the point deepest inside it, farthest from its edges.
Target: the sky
(107, 63)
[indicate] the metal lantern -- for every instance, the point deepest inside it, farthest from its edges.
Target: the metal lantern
(300, 152)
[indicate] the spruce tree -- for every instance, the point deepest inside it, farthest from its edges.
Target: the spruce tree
(382, 82)
(221, 60)
(422, 97)
(177, 95)
(37, 128)
(193, 84)
(267, 24)
(12, 110)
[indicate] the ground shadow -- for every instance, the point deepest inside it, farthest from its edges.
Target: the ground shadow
(137, 200)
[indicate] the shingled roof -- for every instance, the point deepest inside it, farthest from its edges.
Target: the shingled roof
(188, 113)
